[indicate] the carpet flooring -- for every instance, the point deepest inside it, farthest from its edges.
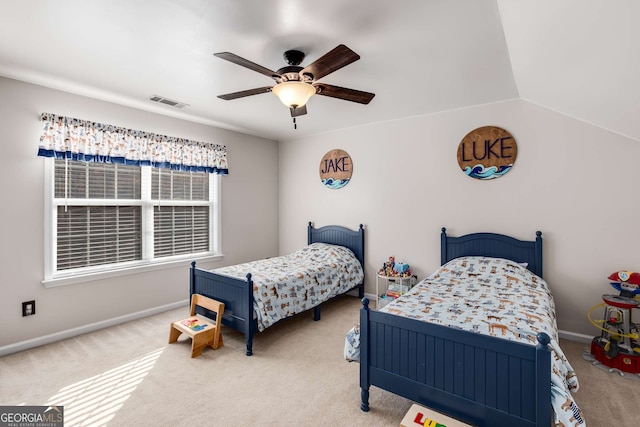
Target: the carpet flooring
(127, 375)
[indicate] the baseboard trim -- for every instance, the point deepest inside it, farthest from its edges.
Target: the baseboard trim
(372, 297)
(573, 336)
(69, 333)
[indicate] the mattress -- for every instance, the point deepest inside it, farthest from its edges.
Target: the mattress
(293, 283)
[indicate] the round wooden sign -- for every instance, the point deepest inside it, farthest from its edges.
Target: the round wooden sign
(487, 152)
(336, 169)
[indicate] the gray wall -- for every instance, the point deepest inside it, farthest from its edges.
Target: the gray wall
(575, 182)
(61, 311)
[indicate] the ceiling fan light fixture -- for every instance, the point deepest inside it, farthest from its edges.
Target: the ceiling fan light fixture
(294, 94)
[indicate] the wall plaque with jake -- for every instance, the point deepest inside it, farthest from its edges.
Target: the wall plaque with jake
(336, 168)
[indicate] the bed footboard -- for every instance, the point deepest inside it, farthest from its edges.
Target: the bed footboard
(237, 296)
(481, 380)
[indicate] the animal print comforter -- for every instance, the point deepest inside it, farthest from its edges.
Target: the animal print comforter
(290, 284)
(495, 297)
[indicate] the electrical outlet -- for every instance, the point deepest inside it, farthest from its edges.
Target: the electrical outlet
(28, 308)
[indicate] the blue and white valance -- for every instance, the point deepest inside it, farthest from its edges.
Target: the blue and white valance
(69, 138)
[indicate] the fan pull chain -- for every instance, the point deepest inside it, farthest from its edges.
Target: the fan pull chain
(295, 126)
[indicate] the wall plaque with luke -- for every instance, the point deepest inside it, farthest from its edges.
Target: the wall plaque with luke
(488, 152)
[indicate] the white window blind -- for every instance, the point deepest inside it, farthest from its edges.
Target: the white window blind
(110, 216)
(182, 228)
(98, 235)
(90, 232)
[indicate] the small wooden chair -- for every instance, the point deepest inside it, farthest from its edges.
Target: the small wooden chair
(202, 330)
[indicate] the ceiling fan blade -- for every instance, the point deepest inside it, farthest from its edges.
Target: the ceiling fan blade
(344, 93)
(231, 57)
(330, 62)
(243, 93)
(298, 111)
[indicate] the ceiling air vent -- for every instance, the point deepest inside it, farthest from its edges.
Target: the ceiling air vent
(167, 101)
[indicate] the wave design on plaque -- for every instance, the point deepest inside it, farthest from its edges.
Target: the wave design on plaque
(480, 172)
(335, 183)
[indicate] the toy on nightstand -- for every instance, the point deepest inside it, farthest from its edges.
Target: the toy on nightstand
(618, 345)
(392, 268)
(396, 279)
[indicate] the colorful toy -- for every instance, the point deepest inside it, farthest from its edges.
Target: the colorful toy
(426, 422)
(392, 268)
(626, 282)
(618, 344)
(401, 268)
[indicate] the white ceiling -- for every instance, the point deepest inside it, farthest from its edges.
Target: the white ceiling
(578, 57)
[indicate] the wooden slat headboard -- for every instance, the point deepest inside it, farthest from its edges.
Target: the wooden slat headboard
(338, 235)
(493, 245)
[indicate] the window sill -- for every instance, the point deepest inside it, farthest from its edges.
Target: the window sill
(106, 274)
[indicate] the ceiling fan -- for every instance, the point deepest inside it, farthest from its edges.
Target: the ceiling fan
(295, 84)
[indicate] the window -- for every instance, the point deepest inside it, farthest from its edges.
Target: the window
(105, 217)
(181, 223)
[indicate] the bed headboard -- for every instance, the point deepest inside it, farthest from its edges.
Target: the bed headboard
(338, 235)
(493, 245)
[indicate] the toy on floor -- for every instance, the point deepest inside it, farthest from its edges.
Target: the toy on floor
(618, 345)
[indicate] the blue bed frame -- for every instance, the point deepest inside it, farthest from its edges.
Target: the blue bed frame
(482, 380)
(237, 294)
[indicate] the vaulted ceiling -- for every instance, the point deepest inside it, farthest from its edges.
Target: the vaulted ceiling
(580, 58)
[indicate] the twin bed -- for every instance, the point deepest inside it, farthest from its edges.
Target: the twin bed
(476, 340)
(496, 365)
(260, 293)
